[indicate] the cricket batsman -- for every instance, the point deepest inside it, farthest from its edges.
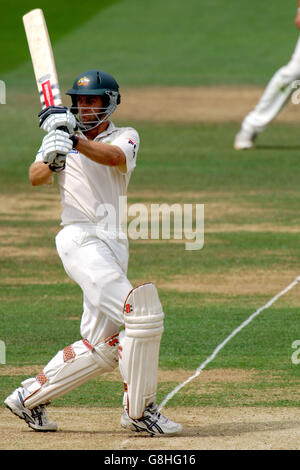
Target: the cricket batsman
(274, 98)
(121, 325)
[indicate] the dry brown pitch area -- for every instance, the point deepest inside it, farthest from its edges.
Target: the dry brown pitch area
(204, 429)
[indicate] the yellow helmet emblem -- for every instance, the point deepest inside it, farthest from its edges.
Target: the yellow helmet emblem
(83, 81)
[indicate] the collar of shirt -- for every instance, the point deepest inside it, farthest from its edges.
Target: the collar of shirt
(110, 129)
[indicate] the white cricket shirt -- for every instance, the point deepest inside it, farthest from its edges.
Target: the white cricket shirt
(86, 186)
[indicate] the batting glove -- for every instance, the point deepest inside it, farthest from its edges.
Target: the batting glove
(54, 143)
(55, 117)
(58, 164)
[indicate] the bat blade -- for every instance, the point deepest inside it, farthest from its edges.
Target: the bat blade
(42, 58)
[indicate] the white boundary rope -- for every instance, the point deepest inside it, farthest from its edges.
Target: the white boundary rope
(226, 340)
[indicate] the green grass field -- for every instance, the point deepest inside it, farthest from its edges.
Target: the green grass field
(42, 316)
(251, 200)
(207, 42)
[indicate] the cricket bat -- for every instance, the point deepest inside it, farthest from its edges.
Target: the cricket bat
(42, 58)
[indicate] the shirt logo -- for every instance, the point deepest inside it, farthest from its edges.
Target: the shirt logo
(133, 145)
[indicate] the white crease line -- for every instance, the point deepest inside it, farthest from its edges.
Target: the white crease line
(226, 340)
(124, 443)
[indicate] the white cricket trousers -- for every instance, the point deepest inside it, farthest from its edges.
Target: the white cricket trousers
(98, 264)
(99, 267)
(275, 96)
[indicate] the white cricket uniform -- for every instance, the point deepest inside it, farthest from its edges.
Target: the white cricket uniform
(275, 96)
(94, 254)
(96, 258)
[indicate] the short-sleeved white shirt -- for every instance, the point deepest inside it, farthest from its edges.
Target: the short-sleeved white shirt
(85, 186)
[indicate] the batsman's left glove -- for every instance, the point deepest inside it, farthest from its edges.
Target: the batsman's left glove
(56, 143)
(57, 117)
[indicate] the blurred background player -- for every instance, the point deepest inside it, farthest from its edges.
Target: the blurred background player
(275, 96)
(120, 324)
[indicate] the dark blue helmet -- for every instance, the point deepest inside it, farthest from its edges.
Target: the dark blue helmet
(96, 83)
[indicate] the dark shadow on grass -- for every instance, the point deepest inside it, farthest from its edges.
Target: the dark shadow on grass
(236, 429)
(277, 147)
(211, 430)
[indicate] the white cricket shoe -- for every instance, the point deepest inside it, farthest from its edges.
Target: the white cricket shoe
(153, 422)
(244, 140)
(35, 418)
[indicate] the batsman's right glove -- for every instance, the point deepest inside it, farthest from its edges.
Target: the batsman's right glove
(55, 117)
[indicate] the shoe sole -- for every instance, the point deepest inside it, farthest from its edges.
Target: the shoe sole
(13, 410)
(136, 429)
(236, 147)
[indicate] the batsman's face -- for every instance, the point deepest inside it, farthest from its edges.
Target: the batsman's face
(89, 107)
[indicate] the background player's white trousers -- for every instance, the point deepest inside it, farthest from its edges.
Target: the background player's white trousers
(275, 96)
(99, 267)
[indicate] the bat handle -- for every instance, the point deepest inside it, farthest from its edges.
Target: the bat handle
(63, 128)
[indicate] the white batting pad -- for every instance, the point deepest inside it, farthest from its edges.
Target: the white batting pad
(140, 347)
(71, 367)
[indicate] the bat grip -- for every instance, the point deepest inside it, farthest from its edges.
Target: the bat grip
(63, 128)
